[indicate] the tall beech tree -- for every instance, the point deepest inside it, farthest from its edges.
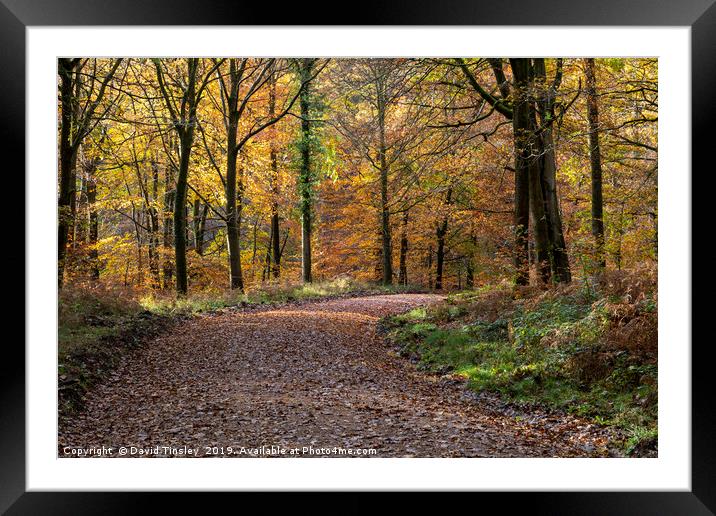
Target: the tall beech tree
(530, 103)
(595, 161)
(273, 156)
(181, 97)
(245, 80)
(307, 174)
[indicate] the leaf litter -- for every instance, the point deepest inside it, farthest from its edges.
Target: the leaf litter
(314, 374)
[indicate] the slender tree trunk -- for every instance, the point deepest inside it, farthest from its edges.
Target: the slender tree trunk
(266, 272)
(470, 262)
(275, 238)
(306, 173)
(93, 222)
(387, 252)
(441, 232)
(154, 230)
(182, 284)
(440, 255)
(521, 132)
(167, 243)
(429, 263)
(232, 220)
(199, 215)
(233, 181)
(595, 161)
(620, 237)
(378, 257)
(81, 226)
(403, 272)
(93, 229)
(196, 222)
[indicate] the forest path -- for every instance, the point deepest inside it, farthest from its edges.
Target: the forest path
(315, 374)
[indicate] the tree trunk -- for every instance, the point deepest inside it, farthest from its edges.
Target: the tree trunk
(75, 122)
(441, 232)
(429, 263)
(521, 130)
(306, 173)
(154, 230)
(68, 158)
(275, 238)
(557, 249)
(167, 244)
(93, 229)
(233, 215)
(403, 272)
(200, 213)
(232, 219)
(387, 252)
(538, 214)
(182, 284)
(562, 272)
(595, 161)
(470, 265)
(266, 272)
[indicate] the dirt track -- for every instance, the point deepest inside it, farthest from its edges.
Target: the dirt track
(313, 375)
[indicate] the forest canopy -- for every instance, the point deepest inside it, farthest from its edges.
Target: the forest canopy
(207, 174)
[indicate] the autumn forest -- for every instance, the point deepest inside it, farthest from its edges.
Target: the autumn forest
(216, 173)
(498, 216)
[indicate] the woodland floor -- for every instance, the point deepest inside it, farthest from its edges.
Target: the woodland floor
(317, 374)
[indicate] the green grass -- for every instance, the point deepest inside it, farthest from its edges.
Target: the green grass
(549, 353)
(266, 295)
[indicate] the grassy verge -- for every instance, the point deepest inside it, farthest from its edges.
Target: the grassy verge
(98, 325)
(588, 349)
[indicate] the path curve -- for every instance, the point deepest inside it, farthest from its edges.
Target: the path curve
(314, 376)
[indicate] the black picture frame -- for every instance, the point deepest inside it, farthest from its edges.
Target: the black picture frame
(700, 15)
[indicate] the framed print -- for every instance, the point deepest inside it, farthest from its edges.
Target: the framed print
(377, 245)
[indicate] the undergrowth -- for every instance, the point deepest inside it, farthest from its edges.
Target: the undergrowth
(589, 349)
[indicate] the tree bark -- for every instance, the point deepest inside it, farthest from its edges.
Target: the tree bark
(403, 270)
(167, 243)
(429, 263)
(184, 123)
(470, 262)
(387, 252)
(232, 220)
(545, 107)
(595, 161)
(275, 238)
(93, 230)
(440, 233)
(233, 182)
(521, 128)
(306, 172)
(75, 124)
(68, 159)
(154, 230)
(182, 283)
